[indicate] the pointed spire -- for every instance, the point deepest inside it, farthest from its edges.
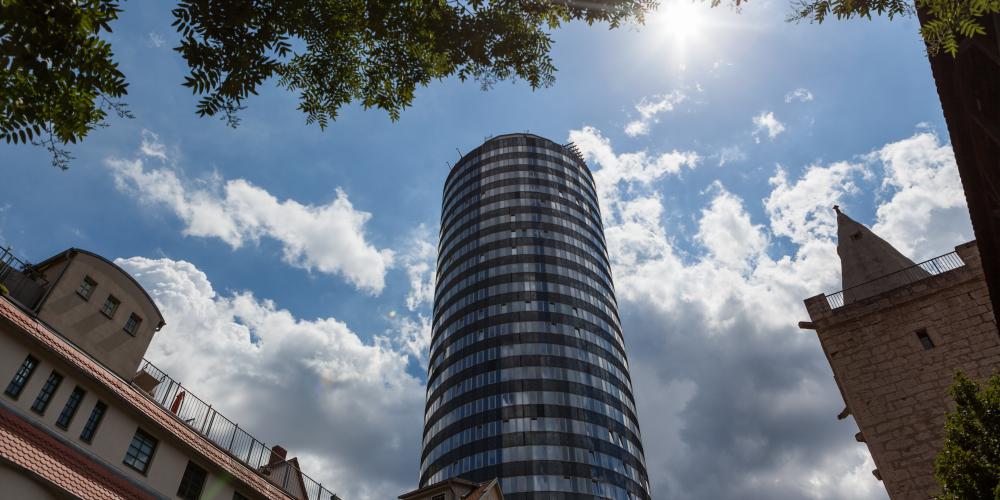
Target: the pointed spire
(864, 257)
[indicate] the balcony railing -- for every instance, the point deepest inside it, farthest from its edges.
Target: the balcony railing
(937, 265)
(224, 433)
(23, 283)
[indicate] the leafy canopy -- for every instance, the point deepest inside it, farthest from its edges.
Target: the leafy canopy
(969, 464)
(59, 79)
(377, 52)
(949, 21)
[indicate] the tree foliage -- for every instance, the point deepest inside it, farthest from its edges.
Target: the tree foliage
(376, 52)
(948, 23)
(969, 465)
(57, 76)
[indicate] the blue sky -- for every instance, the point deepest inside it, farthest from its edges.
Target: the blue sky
(288, 254)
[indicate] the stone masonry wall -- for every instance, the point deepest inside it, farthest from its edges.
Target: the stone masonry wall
(895, 388)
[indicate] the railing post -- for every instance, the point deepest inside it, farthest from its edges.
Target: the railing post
(233, 439)
(205, 422)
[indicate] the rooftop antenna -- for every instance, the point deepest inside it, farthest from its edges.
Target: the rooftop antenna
(459, 152)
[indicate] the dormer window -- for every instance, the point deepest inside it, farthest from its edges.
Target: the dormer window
(110, 306)
(87, 287)
(132, 324)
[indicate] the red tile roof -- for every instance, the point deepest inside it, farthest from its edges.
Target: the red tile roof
(137, 401)
(26, 446)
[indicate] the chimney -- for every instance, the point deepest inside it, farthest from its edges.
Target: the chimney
(278, 455)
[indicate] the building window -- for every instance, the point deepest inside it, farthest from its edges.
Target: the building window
(45, 395)
(140, 451)
(21, 377)
(87, 287)
(192, 482)
(96, 415)
(110, 306)
(925, 340)
(438, 497)
(239, 496)
(66, 415)
(132, 324)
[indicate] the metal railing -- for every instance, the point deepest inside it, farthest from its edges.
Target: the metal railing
(20, 278)
(911, 274)
(226, 434)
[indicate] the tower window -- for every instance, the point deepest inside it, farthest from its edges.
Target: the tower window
(140, 451)
(192, 483)
(110, 306)
(132, 324)
(925, 340)
(66, 416)
(90, 428)
(45, 395)
(86, 287)
(21, 377)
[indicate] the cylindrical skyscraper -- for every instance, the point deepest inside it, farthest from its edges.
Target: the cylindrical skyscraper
(528, 379)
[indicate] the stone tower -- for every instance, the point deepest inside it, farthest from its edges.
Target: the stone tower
(894, 337)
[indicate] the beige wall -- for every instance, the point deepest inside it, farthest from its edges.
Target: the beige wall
(18, 485)
(84, 324)
(115, 432)
(896, 390)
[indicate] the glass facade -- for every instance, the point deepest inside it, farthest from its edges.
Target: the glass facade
(528, 379)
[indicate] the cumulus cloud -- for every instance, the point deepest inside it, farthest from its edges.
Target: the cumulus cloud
(155, 40)
(801, 209)
(765, 122)
(925, 212)
(420, 260)
(730, 154)
(328, 238)
(800, 94)
(648, 110)
(757, 420)
(631, 168)
(347, 408)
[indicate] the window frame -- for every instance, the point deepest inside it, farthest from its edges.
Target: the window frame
(73, 404)
(191, 480)
(87, 280)
(93, 422)
(45, 394)
(925, 339)
(145, 440)
(135, 327)
(21, 377)
(113, 300)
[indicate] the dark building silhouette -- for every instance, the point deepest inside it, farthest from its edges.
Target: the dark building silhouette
(528, 380)
(969, 87)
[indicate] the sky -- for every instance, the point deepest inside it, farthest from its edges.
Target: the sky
(294, 265)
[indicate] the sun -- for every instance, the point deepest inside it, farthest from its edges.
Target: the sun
(678, 21)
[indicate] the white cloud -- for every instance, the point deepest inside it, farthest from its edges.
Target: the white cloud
(420, 261)
(757, 421)
(926, 214)
(640, 167)
(800, 94)
(766, 122)
(328, 238)
(155, 40)
(151, 146)
(731, 154)
(348, 408)
(648, 110)
(803, 210)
